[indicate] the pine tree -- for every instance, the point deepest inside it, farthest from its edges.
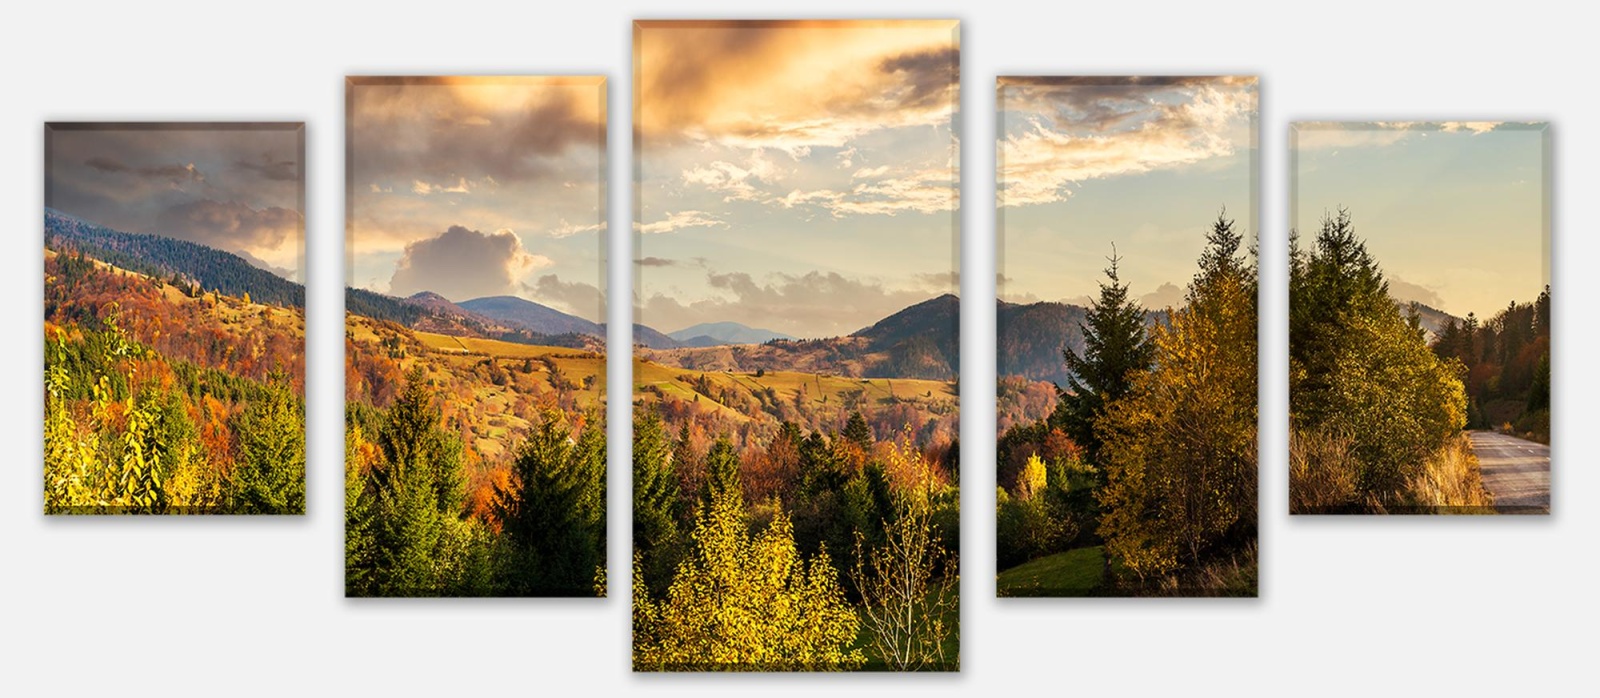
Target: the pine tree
(269, 476)
(1114, 348)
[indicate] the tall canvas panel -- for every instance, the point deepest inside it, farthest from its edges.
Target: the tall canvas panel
(1420, 318)
(475, 355)
(1126, 325)
(795, 457)
(174, 318)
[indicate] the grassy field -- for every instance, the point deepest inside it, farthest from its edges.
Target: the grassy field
(1077, 572)
(813, 389)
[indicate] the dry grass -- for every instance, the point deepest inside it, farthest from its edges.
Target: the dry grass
(1450, 481)
(1323, 472)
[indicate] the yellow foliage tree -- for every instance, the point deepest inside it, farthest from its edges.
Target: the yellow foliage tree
(1180, 448)
(745, 602)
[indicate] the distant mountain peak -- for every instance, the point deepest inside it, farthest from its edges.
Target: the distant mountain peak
(708, 334)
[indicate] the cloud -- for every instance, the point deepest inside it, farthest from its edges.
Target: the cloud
(1407, 292)
(655, 262)
(814, 304)
(566, 230)
(919, 191)
(785, 86)
(574, 297)
(461, 264)
(868, 172)
(422, 188)
(1075, 130)
(175, 174)
(511, 129)
(1330, 135)
(229, 225)
(1167, 295)
(735, 183)
(678, 220)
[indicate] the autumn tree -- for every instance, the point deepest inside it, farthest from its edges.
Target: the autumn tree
(1114, 348)
(745, 601)
(908, 584)
(1361, 372)
(1180, 447)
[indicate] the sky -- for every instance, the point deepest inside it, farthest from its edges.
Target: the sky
(1143, 164)
(1454, 212)
(799, 177)
(471, 187)
(235, 187)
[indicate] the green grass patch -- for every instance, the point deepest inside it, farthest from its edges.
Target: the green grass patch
(1078, 572)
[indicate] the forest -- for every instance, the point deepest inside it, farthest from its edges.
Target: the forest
(164, 398)
(792, 520)
(813, 551)
(1377, 410)
(1142, 479)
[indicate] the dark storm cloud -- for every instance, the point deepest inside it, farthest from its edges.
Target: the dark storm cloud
(182, 180)
(175, 173)
(269, 168)
(449, 128)
(929, 77)
(461, 264)
(229, 225)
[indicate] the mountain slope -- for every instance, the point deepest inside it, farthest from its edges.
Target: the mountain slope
(164, 258)
(521, 312)
(921, 341)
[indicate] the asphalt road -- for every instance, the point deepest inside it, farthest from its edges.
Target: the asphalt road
(1515, 471)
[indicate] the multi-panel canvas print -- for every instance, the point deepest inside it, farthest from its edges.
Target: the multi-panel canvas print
(1419, 318)
(174, 318)
(475, 369)
(1126, 341)
(796, 502)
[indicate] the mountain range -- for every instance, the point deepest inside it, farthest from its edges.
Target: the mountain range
(710, 334)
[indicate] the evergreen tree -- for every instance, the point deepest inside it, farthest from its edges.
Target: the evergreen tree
(269, 475)
(1114, 348)
(858, 432)
(722, 474)
(547, 512)
(656, 500)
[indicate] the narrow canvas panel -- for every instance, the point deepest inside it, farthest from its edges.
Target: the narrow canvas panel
(174, 318)
(475, 374)
(796, 501)
(1419, 318)
(1126, 325)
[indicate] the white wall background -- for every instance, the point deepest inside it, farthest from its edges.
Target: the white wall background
(255, 607)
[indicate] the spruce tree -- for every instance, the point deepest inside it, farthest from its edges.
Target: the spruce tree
(1114, 348)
